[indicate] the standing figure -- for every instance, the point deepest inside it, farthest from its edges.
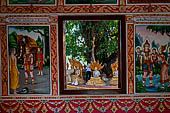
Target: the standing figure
(155, 60)
(28, 66)
(39, 61)
(14, 73)
(154, 56)
(88, 72)
(138, 55)
(22, 45)
(164, 78)
(146, 63)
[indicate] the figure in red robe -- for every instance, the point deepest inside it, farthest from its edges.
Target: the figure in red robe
(39, 61)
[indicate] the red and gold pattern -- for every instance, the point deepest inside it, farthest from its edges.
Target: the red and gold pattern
(54, 71)
(130, 29)
(137, 105)
(4, 62)
(61, 7)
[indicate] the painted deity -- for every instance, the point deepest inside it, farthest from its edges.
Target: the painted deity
(146, 63)
(164, 78)
(28, 65)
(14, 73)
(39, 61)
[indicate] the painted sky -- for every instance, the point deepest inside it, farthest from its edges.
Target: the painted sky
(146, 34)
(23, 32)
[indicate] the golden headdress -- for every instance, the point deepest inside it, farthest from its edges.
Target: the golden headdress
(95, 65)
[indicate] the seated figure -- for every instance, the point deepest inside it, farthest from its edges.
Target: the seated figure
(96, 79)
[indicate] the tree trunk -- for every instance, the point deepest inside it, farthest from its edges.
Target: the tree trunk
(93, 47)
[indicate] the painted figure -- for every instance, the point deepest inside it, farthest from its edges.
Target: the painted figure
(22, 50)
(138, 57)
(88, 72)
(154, 56)
(28, 66)
(138, 53)
(164, 78)
(146, 63)
(155, 60)
(14, 73)
(39, 61)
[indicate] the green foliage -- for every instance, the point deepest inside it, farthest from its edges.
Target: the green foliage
(137, 41)
(163, 29)
(36, 29)
(19, 65)
(79, 38)
(138, 71)
(139, 86)
(47, 61)
(12, 40)
(39, 42)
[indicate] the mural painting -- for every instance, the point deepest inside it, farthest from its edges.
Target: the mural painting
(31, 1)
(152, 58)
(92, 54)
(29, 59)
(91, 1)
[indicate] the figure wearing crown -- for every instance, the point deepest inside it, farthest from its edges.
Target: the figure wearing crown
(28, 65)
(146, 63)
(164, 78)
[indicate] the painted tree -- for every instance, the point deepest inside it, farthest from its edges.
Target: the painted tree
(163, 29)
(12, 40)
(43, 31)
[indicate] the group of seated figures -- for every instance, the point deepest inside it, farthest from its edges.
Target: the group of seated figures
(77, 74)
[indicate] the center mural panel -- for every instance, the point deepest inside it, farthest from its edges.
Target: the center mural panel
(29, 59)
(91, 54)
(152, 58)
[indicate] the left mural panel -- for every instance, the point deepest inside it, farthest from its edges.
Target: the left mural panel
(29, 59)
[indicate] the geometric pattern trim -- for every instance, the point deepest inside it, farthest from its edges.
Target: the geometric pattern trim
(61, 7)
(130, 37)
(137, 105)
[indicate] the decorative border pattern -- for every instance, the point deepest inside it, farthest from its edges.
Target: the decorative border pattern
(130, 30)
(60, 7)
(4, 62)
(54, 62)
(86, 106)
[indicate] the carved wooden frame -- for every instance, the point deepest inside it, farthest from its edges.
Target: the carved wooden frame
(121, 60)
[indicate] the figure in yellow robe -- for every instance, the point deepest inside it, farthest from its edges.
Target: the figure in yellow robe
(14, 73)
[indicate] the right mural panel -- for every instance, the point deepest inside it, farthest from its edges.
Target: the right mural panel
(152, 58)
